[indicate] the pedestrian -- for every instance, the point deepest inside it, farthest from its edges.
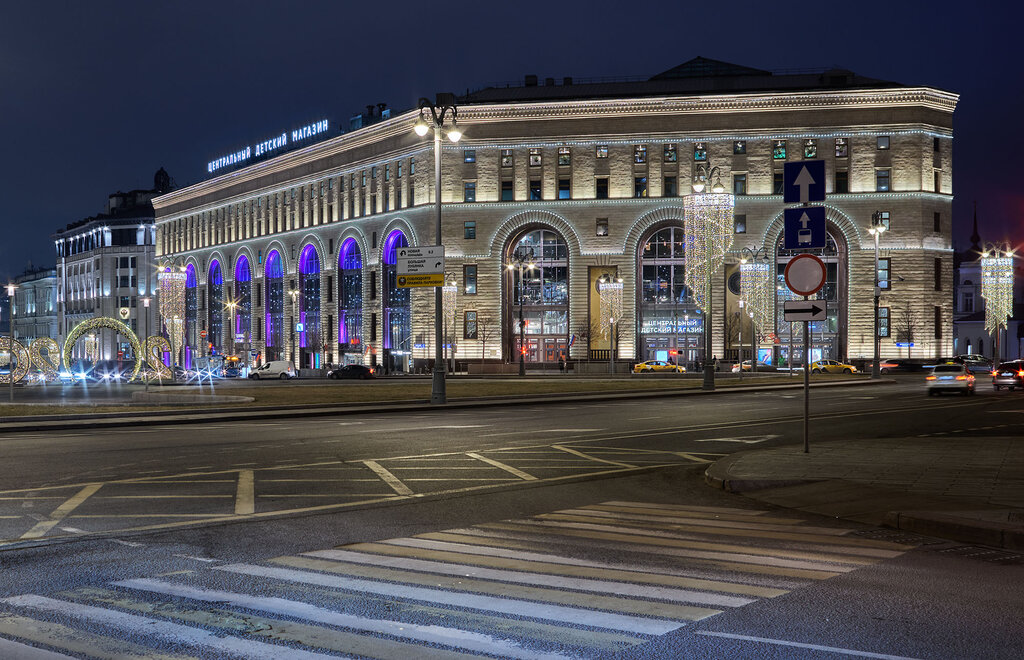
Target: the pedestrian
(714, 363)
(561, 363)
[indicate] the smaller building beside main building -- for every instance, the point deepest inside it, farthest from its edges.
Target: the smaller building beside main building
(35, 305)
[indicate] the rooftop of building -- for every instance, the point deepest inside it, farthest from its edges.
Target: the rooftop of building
(32, 273)
(125, 208)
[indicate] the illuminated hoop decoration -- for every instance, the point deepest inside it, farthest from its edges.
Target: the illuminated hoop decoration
(49, 363)
(23, 359)
(95, 324)
(757, 288)
(611, 304)
(154, 349)
(708, 226)
(172, 307)
(997, 286)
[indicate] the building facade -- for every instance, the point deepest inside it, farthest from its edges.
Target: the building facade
(105, 267)
(297, 254)
(35, 305)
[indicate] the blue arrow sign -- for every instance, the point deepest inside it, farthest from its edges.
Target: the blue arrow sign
(804, 181)
(805, 228)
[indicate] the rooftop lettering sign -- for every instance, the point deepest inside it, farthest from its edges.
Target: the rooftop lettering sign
(267, 146)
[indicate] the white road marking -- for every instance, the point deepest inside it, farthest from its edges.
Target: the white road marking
(508, 468)
(745, 439)
(139, 625)
(572, 615)
(389, 478)
(204, 559)
(800, 645)
(427, 428)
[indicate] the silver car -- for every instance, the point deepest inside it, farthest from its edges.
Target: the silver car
(1009, 375)
(950, 377)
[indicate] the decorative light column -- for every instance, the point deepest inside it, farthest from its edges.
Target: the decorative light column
(997, 290)
(10, 346)
(294, 293)
(522, 257)
(450, 293)
(444, 103)
(876, 230)
(708, 226)
(145, 339)
(611, 309)
(757, 287)
(172, 306)
(232, 306)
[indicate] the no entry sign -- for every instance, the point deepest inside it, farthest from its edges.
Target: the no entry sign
(805, 274)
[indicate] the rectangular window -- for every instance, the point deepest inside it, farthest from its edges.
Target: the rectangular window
(842, 184)
(640, 186)
(937, 222)
(601, 151)
(882, 179)
(412, 193)
(602, 227)
(779, 149)
(810, 148)
(884, 273)
(398, 169)
(739, 184)
(602, 187)
(469, 191)
(398, 197)
(564, 189)
(739, 147)
(387, 202)
(935, 144)
(670, 189)
(938, 274)
(469, 156)
(469, 325)
(842, 148)
(968, 302)
(564, 157)
(373, 329)
(469, 279)
(330, 288)
(387, 176)
(938, 322)
(373, 172)
(412, 165)
(362, 178)
(883, 219)
(507, 192)
(535, 189)
(883, 142)
(669, 154)
(469, 229)
(506, 158)
(937, 180)
(640, 154)
(373, 285)
(535, 158)
(700, 152)
(883, 321)
(777, 183)
(739, 224)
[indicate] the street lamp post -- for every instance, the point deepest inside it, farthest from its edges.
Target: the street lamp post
(295, 315)
(444, 103)
(522, 257)
(876, 230)
(10, 345)
(145, 339)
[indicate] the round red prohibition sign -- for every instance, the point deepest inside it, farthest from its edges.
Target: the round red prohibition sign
(805, 274)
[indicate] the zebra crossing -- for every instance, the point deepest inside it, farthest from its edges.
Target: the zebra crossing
(582, 582)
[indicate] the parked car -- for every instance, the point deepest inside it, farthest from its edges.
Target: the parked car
(282, 369)
(900, 366)
(352, 371)
(658, 366)
(950, 377)
(832, 367)
(748, 367)
(1009, 375)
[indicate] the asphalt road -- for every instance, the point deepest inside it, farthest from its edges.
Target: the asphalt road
(513, 531)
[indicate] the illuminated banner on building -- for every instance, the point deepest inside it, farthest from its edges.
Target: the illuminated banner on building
(268, 146)
(663, 326)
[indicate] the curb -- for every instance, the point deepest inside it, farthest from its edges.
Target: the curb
(956, 528)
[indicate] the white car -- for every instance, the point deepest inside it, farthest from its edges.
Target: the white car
(950, 377)
(282, 369)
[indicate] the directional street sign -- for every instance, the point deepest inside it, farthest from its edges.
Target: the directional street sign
(805, 310)
(803, 181)
(420, 266)
(805, 228)
(805, 274)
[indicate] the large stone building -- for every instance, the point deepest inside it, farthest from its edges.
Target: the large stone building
(591, 177)
(35, 305)
(105, 264)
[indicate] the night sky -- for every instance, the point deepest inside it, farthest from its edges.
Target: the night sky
(96, 96)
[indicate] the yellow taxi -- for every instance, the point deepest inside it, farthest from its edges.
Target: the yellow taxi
(658, 366)
(832, 367)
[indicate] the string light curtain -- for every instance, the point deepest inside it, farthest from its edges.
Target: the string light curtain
(997, 289)
(708, 225)
(611, 304)
(757, 288)
(172, 307)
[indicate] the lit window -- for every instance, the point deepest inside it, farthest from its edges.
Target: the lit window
(535, 159)
(779, 149)
(564, 157)
(739, 147)
(469, 326)
(739, 184)
(883, 321)
(602, 226)
(469, 229)
(506, 158)
(810, 148)
(564, 189)
(373, 172)
(507, 194)
(601, 151)
(469, 191)
(842, 148)
(640, 186)
(884, 270)
(412, 165)
(670, 153)
(883, 142)
(535, 189)
(640, 154)
(882, 180)
(739, 224)
(700, 152)
(469, 279)
(883, 219)
(469, 156)
(387, 175)
(398, 169)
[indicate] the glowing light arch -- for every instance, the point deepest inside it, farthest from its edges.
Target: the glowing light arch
(94, 324)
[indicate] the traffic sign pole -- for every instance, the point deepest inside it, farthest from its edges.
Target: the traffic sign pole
(807, 388)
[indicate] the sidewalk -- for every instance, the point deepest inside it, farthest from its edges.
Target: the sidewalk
(968, 489)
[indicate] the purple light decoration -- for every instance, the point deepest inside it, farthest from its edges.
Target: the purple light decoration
(395, 240)
(272, 270)
(215, 274)
(309, 264)
(190, 277)
(242, 274)
(191, 282)
(349, 258)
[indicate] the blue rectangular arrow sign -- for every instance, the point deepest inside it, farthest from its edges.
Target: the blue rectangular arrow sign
(804, 181)
(805, 228)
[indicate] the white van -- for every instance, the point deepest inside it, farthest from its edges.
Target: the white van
(274, 369)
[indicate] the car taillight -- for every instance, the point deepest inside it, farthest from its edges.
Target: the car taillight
(371, 371)
(1021, 373)
(995, 373)
(962, 377)
(929, 377)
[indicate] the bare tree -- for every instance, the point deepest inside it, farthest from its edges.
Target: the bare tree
(907, 324)
(486, 329)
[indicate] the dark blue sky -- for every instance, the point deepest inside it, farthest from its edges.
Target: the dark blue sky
(95, 96)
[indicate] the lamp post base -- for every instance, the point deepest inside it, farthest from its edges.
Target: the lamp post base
(437, 388)
(522, 366)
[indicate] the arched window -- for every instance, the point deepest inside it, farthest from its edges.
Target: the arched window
(215, 306)
(542, 295)
(350, 299)
(397, 310)
(273, 276)
(310, 339)
(670, 322)
(243, 299)
(191, 314)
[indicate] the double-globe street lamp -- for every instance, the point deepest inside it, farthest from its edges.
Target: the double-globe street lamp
(440, 109)
(522, 258)
(876, 230)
